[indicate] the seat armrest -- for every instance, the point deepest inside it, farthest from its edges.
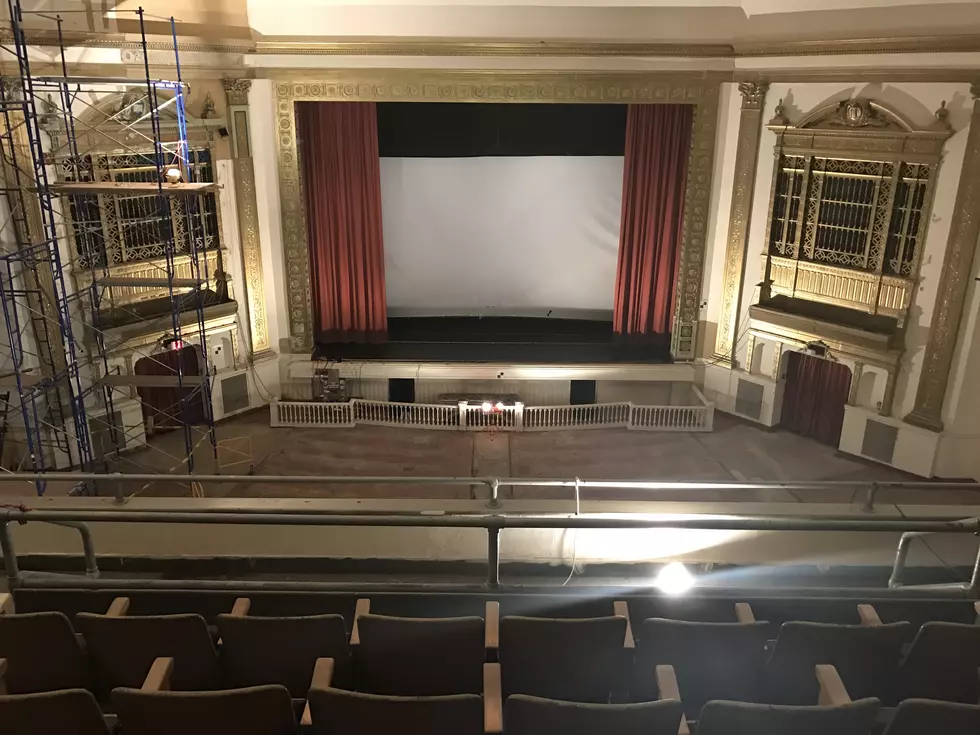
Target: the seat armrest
(241, 607)
(158, 680)
(493, 706)
(118, 608)
(322, 677)
(491, 635)
(667, 686)
(363, 607)
(832, 689)
(3, 676)
(6, 603)
(869, 616)
(743, 613)
(622, 609)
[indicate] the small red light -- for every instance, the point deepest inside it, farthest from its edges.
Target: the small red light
(177, 344)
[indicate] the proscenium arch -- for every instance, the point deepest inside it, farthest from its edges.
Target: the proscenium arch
(699, 90)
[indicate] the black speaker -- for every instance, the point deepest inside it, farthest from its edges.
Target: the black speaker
(582, 392)
(401, 390)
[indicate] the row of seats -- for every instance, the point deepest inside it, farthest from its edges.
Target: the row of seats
(462, 675)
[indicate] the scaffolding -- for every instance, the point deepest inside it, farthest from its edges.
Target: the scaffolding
(56, 369)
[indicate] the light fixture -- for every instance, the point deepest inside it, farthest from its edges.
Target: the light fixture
(674, 579)
(172, 175)
(487, 407)
(500, 406)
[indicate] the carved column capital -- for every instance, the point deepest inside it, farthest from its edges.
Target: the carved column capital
(753, 94)
(237, 90)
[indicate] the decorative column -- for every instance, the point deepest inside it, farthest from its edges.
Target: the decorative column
(746, 158)
(954, 278)
(248, 222)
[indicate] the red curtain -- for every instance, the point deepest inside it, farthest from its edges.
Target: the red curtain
(166, 408)
(658, 145)
(814, 397)
(342, 180)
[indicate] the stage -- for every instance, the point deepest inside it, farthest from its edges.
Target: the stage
(515, 340)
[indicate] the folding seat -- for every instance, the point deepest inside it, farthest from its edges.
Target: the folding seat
(64, 712)
(927, 716)
(334, 711)
(735, 718)
(122, 648)
(524, 715)
(865, 657)
(710, 660)
(573, 660)
(281, 650)
(41, 650)
(154, 709)
(420, 656)
(942, 663)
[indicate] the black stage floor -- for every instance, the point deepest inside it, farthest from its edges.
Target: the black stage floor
(500, 339)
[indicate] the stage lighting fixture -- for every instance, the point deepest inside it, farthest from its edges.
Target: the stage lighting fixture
(674, 579)
(500, 406)
(487, 407)
(173, 175)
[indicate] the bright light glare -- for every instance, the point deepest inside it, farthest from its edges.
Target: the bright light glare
(674, 579)
(500, 406)
(487, 407)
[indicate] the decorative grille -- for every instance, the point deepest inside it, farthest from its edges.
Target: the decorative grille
(864, 215)
(111, 229)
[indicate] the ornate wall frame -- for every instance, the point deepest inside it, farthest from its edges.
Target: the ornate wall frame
(698, 89)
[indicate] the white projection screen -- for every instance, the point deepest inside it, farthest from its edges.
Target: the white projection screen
(501, 235)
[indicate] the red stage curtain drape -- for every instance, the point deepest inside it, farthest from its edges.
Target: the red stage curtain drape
(658, 146)
(814, 396)
(342, 181)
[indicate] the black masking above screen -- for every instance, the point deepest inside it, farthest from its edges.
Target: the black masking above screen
(461, 130)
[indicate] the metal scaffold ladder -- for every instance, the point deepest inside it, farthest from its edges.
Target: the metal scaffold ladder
(57, 340)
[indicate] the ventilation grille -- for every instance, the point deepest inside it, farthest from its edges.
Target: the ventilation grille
(234, 393)
(879, 441)
(748, 399)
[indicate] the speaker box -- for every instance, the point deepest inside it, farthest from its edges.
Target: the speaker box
(582, 392)
(401, 390)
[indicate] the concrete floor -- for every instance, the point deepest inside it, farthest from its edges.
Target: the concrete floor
(735, 451)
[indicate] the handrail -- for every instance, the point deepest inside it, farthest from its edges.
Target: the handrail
(493, 522)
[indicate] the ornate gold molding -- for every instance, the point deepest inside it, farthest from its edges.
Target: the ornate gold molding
(746, 159)
(248, 221)
(237, 90)
(466, 86)
(953, 281)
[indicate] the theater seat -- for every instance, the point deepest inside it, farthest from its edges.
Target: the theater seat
(419, 656)
(43, 653)
(123, 648)
(711, 660)
(573, 660)
(866, 658)
(926, 716)
(942, 664)
(740, 718)
(524, 715)
(340, 712)
(257, 650)
(64, 712)
(155, 710)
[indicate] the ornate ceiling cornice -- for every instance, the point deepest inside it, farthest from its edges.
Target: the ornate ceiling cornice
(294, 45)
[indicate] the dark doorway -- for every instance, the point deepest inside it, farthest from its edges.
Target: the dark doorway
(814, 397)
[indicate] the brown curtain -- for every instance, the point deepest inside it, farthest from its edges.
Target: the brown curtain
(658, 145)
(814, 397)
(342, 182)
(166, 408)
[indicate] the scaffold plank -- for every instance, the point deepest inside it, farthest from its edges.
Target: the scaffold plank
(161, 282)
(132, 187)
(152, 381)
